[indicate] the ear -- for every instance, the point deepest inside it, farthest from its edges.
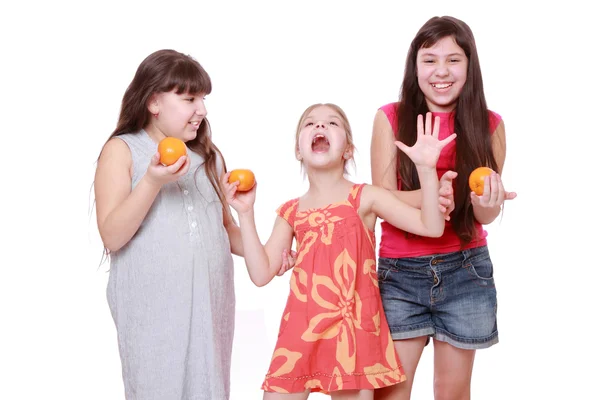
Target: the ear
(298, 155)
(348, 154)
(153, 105)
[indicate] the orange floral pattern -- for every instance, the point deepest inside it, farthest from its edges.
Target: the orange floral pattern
(333, 335)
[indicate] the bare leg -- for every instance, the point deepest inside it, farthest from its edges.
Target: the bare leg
(409, 351)
(352, 395)
(452, 372)
(286, 396)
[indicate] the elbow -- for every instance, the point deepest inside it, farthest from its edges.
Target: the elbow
(112, 247)
(259, 282)
(110, 243)
(435, 232)
(438, 233)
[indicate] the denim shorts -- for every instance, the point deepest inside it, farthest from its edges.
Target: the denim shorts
(450, 297)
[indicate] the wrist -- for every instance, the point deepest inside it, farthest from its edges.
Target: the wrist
(425, 169)
(246, 214)
(149, 181)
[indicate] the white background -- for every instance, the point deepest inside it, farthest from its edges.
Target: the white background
(65, 66)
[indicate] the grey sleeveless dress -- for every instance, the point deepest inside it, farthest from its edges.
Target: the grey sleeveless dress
(170, 290)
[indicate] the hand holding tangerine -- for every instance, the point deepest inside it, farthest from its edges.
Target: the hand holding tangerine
(171, 149)
(477, 179)
(245, 177)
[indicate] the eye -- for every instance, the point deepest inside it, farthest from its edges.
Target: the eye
(190, 99)
(333, 123)
(455, 60)
(308, 124)
(428, 61)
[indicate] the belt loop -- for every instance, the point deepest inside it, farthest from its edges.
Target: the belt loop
(466, 254)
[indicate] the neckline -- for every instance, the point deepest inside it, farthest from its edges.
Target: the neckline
(313, 209)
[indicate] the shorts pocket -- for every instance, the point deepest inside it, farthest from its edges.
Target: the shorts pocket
(481, 271)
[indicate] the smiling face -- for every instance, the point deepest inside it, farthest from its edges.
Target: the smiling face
(177, 115)
(323, 138)
(442, 73)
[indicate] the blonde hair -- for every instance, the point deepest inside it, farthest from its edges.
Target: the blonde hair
(345, 125)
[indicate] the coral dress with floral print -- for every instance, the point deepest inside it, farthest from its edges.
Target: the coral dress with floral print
(333, 334)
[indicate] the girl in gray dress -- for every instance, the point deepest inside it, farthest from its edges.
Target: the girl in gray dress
(170, 237)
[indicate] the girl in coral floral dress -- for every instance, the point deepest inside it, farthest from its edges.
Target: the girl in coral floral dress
(334, 337)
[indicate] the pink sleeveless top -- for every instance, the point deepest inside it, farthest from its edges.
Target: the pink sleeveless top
(396, 243)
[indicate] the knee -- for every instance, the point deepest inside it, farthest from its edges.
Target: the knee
(445, 389)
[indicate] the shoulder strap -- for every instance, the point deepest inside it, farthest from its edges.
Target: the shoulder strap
(354, 196)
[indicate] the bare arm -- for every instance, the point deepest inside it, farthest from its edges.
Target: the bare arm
(120, 210)
(427, 221)
(264, 262)
(384, 158)
(494, 191)
(234, 233)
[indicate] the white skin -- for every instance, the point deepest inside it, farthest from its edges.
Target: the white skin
(121, 210)
(441, 74)
(325, 170)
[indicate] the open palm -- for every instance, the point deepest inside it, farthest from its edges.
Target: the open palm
(426, 150)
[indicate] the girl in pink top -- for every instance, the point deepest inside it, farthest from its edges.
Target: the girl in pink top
(443, 287)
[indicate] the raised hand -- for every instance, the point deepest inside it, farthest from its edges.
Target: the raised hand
(240, 201)
(493, 192)
(426, 150)
(446, 193)
(159, 174)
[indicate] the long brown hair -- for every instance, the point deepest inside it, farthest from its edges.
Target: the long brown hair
(471, 120)
(164, 71)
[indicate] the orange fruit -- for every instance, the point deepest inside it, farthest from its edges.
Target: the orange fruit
(170, 150)
(246, 178)
(477, 179)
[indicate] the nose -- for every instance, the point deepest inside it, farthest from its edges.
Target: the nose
(320, 124)
(442, 70)
(200, 108)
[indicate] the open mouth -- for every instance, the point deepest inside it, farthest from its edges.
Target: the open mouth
(441, 85)
(320, 143)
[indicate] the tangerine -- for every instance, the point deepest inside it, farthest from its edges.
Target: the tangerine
(245, 177)
(477, 179)
(170, 150)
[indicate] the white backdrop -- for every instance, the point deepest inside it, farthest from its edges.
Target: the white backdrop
(65, 66)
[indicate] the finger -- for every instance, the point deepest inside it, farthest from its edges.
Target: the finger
(428, 123)
(450, 138)
(186, 166)
(486, 195)
(475, 199)
(419, 124)
(225, 177)
(436, 127)
(281, 271)
(509, 195)
(284, 259)
(449, 175)
(402, 146)
(442, 209)
(173, 168)
(499, 188)
(155, 160)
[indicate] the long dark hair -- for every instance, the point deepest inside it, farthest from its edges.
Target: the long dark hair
(471, 120)
(164, 71)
